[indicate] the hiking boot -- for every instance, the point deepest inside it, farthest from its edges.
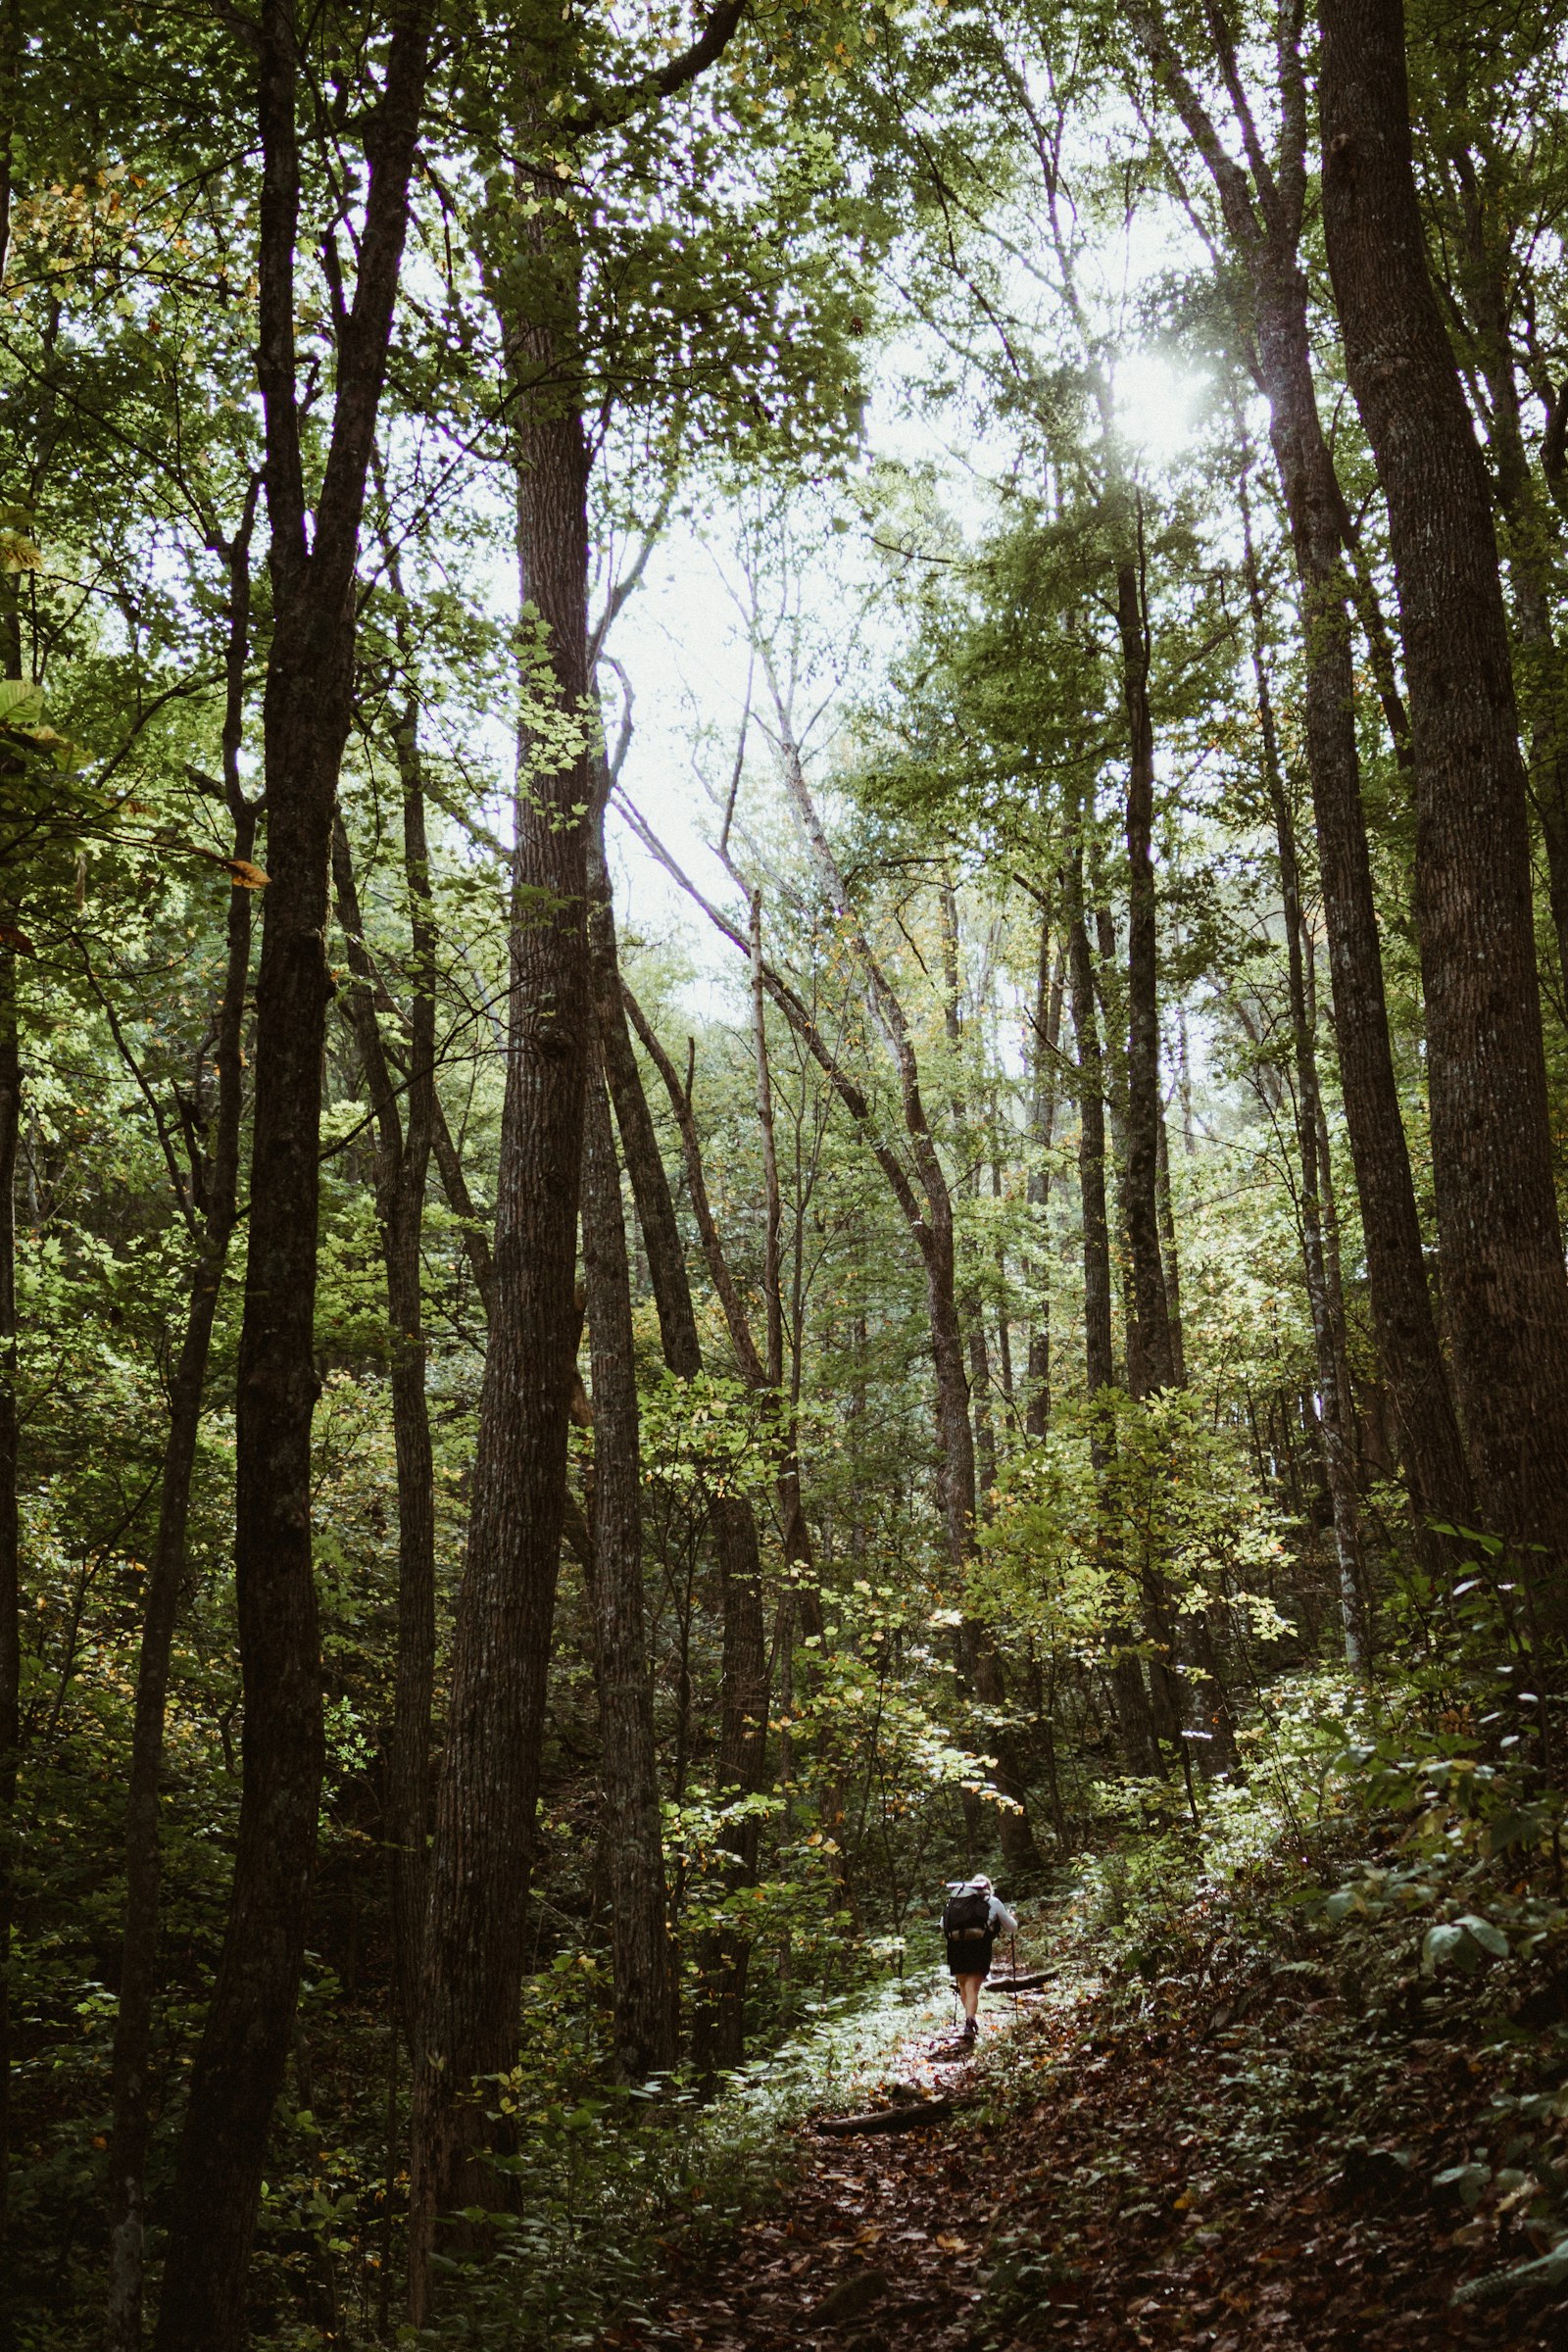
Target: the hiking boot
(970, 2029)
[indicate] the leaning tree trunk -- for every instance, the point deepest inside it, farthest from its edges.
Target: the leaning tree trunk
(484, 1834)
(306, 714)
(644, 1985)
(1503, 1281)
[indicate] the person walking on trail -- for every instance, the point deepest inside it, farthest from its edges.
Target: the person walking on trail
(973, 1917)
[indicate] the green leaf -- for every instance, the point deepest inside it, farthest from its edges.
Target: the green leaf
(1467, 2181)
(1466, 1945)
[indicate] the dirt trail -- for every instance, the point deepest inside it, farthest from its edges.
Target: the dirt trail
(1199, 2187)
(880, 2241)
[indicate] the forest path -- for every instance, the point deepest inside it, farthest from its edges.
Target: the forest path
(881, 2240)
(1254, 2174)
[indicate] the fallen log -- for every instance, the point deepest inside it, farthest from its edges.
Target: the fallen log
(1033, 1982)
(914, 2115)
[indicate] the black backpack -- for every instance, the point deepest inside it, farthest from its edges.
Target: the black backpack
(968, 1914)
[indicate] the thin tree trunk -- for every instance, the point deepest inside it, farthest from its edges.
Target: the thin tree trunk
(1134, 1719)
(1017, 1839)
(1530, 539)
(966, 1146)
(215, 1199)
(718, 2019)
(1170, 1260)
(484, 1831)
(645, 1984)
(402, 1165)
(1503, 1281)
(240, 2065)
(1044, 1092)
(1156, 1366)
(1325, 1301)
(927, 1212)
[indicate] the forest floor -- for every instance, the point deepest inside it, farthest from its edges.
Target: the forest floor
(1247, 2162)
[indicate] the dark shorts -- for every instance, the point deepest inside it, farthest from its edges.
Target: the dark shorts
(970, 1956)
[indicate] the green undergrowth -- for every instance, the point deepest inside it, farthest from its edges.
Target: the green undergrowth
(1353, 1977)
(610, 2186)
(1359, 1953)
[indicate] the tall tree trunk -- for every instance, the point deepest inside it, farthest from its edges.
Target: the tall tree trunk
(1132, 1717)
(1263, 219)
(307, 709)
(719, 2016)
(484, 1829)
(1529, 538)
(1020, 1850)
(644, 1985)
(1503, 1281)
(1325, 1299)
(1156, 1365)
(401, 1166)
(214, 1198)
(1170, 1260)
(1044, 1091)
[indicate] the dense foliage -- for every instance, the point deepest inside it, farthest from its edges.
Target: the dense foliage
(1063, 1368)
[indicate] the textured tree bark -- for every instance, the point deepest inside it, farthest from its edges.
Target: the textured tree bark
(644, 1985)
(1503, 1282)
(307, 709)
(1531, 538)
(1263, 208)
(215, 1190)
(1155, 1355)
(484, 1829)
(1044, 1091)
(1325, 1299)
(1134, 1719)
(401, 1166)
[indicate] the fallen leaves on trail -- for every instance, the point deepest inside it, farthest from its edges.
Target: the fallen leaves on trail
(1151, 2180)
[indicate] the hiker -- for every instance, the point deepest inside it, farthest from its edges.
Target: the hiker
(971, 1921)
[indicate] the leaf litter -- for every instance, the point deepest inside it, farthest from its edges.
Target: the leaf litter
(1246, 2155)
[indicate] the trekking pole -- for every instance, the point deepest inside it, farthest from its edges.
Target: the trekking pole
(1012, 1954)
